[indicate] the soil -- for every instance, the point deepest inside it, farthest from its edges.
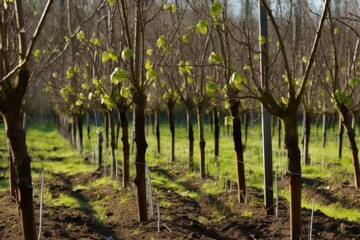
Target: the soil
(206, 216)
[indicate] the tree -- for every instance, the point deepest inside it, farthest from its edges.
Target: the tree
(13, 85)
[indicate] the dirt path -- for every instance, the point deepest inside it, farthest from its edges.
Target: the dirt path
(104, 211)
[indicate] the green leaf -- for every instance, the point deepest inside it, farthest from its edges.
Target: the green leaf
(184, 68)
(215, 9)
(190, 79)
(214, 58)
(162, 43)
(211, 88)
(186, 38)
(201, 27)
(173, 8)
(105, 57)
(111, 2)
(342, 98)
(256, 57)
(70, 73)
(151, 75)
(99, 130)
(354, 81)
(95, 41)
(113, 56)
(54, 74)
(149, 52)
(118, 75)
(304, 59)
(108, 102)
(246, 67)
(80, 36)
(228, 120)
(148, 65)
(125, 92)
(262, 39)
(237, 80)
(37, 53)
(78, 103)
(84, 86)
(126, 53)
(336, 31)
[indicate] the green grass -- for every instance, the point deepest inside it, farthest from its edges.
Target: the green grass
(45, 145)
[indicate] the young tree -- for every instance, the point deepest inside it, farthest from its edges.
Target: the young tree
(14, 80)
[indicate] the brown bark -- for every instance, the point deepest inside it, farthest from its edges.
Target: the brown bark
(141, 146)
(80, 127)
(170, 111)
(190, 130)
(238, 151)
(346, 120)
(340, 139)
(107, 125)
(157, 130)
(126, 147)
(112, 144)
(202, 142)
(216, 131)
(294, 172)
(306, 136)
(10, 109)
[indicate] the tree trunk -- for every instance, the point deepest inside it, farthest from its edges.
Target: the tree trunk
(126, 147)
(88, 127)
(306, 136)
(190, 130)
(12, 176)
(74, 131)
(157, 130)
(21, 160)
(346, 120)
(211, 121)
(140, 162)
(279, 132)
(238, 151)
(202, 142)
(340, 138)
(112, 144)
(80, 126)
(324, 128)
(246, 126)
(106, 130)
(216, 131)
(170, 110)
(294, 171)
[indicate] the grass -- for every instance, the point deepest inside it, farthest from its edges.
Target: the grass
(45, 145)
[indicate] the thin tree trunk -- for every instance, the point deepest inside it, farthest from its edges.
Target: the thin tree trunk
(346, 120)
(211, 121)
(12, 176)
(202, 142)
(126, 147)
(279, 133)
(238, 151)
(21, 160)
(246, 126)
(216, 131)
(324, 128)
(170, 110)
(107, 130)
(74, 118)
(157, 129)
(294, 171)
(306, 137)
(112, 144)
(80, 126)
(140, 162)
(340, 138)
(190, 131)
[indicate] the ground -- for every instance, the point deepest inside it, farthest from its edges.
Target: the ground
(185, 210)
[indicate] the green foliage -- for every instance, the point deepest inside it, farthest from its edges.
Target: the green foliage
(162, 43)
(126, 53)
(201, 27)
(118, 76)
(238, 81)
(109, 55)
(354, 81)
(214, 58)
(151, 74)
(149, 52)
(228, 120)
(211, 88)
(215, 11)
(342, 99)
(184, 68)
(95, 41)
(37, 53)
(125, 92)
(186, 38)
(262, 39)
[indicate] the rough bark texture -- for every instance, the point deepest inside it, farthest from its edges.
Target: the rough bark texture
(190, 130)
(157, 130)
(294, 172)
(216, 131)
(10, 109)
(140, 162)
(306, 136)
(126, 147)
(170, 111)
(238, 151)
(340, 138)
(112, 144)
(202, 142)
(346, 120)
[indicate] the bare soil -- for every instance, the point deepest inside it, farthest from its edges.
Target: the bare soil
(182, 217)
